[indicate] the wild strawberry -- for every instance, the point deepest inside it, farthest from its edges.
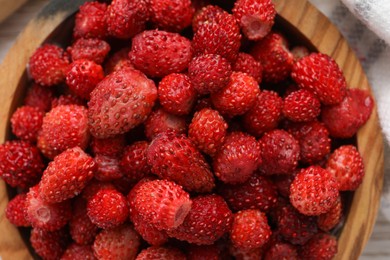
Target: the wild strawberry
(208, 220)
(250, 229)
(160, 252)
(206, 14)
(273, 54)
(299, 52)
(124, 184)
(321, 246)
(176, 94)
(238, 96)
(94, 50)
(172, 15)
(256, 17)
(283, 183)
(83, 76)
(281, 250)
(301, 106)
(133, 162)
(209, 252)
(170, 155)
(209, 73)
(346, 164)
(155, 53)
(50, 245)
(117, 61)
(126, 18)
(365, 103)
(94, 186)
(39, 97)
(15, 211)
(117, 243)
(160, 121)
(330, 219)
(242, 254)
(108, 168)
(207, 130)
(120, 102)
(44, 215)
(320, 74)
(202, 103)
(67, 99)
(247, 64)
(265, 114)
(90, 21)
(63, 127)
(26, 122)
(112, 146)
(256, 193)
(279, 151)
(21, 164)
(48, 64)
(78, 252)
(314, 191)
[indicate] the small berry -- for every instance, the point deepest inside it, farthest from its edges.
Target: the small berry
(67, 99)
(39, 97)
(117, 61)
(90, 21)
(159, 252)
(160, 121)
(330, 219)
(321, 246)
(78, 252)
(280, 250)
(301, 106)
(108, 168)
(112, 146)
(205, 15)
(15, 211)
(247, 64)
(26, 122)
(50, 245)
(92, 49)
(134, 162)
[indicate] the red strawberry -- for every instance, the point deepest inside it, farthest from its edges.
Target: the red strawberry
(320, 74)
(94, 186)
(112, 146)
(126, 18)
(155, 53)
(26, 122)
(117, 61)
(202, 103)
(170, 155)
(330, 219)
(208, 220)
(256, 17)
(279, 151)
(78, 252)
(265, 114)
(250, 229)
(44, 215)
(257, 193)
(64, 127)
(321, 246)
(301, 106)
(160, 252)
(283, 183)
(93, 49)
(120, 102)
(15, 211)
(280, 251)
(299, 52)
(160, 121)
(242, 254)
(133, 162)
(209, 73)
(172, 15)
(204, 252)
(365, 103)
(21, 164)
(40, 97)
(205, 15)
(176, 94)
(117, 243)
(108, 168)
(247, 64)
(90, 21)
(314, 191)
(273, 54)
(207, 130)
(108, 208)
(346, 164)
(238, 97)
(67, 99)
(50, 245)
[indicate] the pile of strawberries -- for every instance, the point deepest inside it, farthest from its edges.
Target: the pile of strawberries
(147, 138)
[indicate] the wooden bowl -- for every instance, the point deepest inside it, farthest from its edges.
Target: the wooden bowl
(303, 22)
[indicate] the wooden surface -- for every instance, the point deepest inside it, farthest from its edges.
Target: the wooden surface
(325, 37)
(8, 7)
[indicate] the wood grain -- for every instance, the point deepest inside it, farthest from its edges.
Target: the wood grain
(8, 7)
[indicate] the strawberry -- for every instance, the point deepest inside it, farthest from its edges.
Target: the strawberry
(50, 245)
(90, 21)
(108, 208)
(21, 164)
(314, 191)
(330, 219)
(39, 97)
(94, 186)
(15, 211)
(283, 183)
(299, 52)
(117, 61)
(133, 162)
(279, 151)
(126, 18)
(237, 159)
(92, 49)
(301, 106)
(204, 252)
(320, 74)
(206, 14)
(120, 102)
(242, 254)
(321, 246)
(238, 96)
(280, 250)
(273, 54)
(108, 168)
(155, 52)
(346, 164)
(247, 64)
(170, 155)
(256, 17)
(176, 94)
(44, 215)
(256, 193)
(64, 127)
(172, 15)
(160, 252)
(250, 229)
(208, 220)
(365, 104)
(26, 122)
(202, 103)
(112, 146)
(78, 252)
(117, 243)
(67, 99)
(207, 131)
(160, 121)
(209, 73)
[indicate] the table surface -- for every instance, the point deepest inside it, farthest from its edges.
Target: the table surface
(378, 248)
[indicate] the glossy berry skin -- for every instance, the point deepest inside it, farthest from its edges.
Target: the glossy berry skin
(332, 218)
(39, 97)
(320, 74)
(67, 99)
(117, 61)
(108, 168)
(321, 246)
(92, 49)
(112, 146)
(22, 164)
(208, 220)
(155, 53)
(15, 211)
(94, 186)
(26, 122)
(247, 64)
(133, 162)
(301, 106)
(50, 245)
(48, 64)
(314, 191)
(281, 250)
(90, 21)
(160, 121)
(205, 15)
(120, 102)
(364, 101)
(160, 252)
(176, 94)
(78, 252)
(170, 155)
